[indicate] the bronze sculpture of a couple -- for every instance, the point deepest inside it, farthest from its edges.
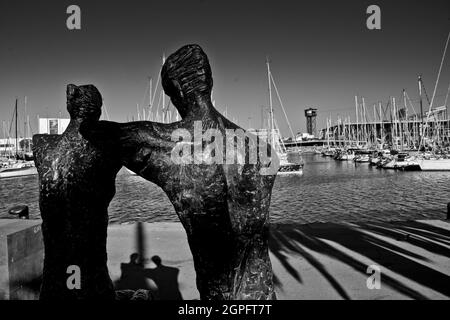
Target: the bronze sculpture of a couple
(224, 207)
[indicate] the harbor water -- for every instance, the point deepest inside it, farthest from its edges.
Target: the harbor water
(328, 191)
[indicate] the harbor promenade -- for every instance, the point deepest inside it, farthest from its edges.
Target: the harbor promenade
(317, 261)
(382, 261)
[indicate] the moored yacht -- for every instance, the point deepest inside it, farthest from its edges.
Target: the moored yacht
(18, 169)
(434, 164)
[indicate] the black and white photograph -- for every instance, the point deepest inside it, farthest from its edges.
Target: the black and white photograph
(202, 151)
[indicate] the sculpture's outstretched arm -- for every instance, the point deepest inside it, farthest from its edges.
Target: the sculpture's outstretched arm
(133, 142)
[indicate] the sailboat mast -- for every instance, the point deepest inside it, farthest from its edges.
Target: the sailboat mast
(381, 126)
(328, 133)
(270, 104)
(150, 111)
(406, 118)
(364, 119)
(374, 124)
(25, 128)
(357, 121)
(29, 134)
(16, 129)
(420, 100)
(164, 109)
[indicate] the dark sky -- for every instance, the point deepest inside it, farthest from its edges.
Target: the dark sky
(321, 53)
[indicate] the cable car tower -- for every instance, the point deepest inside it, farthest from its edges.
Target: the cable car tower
(311, 115)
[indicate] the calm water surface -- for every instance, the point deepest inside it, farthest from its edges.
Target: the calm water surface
(328, 190)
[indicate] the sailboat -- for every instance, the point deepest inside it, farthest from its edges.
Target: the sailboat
(288, 164)
(436, 162)
(328, 151)
(287, 167)
(15, 167)
(18, 169)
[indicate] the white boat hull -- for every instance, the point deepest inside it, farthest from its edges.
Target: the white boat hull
(291, 173)
(11, 173)
(390, 165)
(363, 159)
(434, 165)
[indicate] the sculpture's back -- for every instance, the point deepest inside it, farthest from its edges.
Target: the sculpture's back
(76, 184)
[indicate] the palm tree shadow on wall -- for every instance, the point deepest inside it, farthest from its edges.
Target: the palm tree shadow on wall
(299, 240)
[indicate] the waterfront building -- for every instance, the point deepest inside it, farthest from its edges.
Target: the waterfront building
(53, 125)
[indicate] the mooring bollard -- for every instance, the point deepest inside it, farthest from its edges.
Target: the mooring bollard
(21, 211)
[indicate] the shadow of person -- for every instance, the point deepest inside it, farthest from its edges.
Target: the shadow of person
(166, 279)
(132, 275)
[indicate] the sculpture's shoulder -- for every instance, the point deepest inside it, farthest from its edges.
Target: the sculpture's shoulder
(217, 118)
(43, 143)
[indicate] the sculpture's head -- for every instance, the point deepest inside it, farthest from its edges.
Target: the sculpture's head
(186, 77)
(84, 102)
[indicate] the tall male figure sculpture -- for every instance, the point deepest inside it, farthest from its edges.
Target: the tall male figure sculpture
(76, 184)
(224, 207)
